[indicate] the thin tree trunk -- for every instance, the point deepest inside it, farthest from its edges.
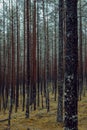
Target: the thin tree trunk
(55, 58)
(12, 89)
(60, 65)
(38, 58)
(81, 56)
(47, 62)
(34, 55)
(24, 64)
(28, 64)
(18, 40)
(4, 57)
(84, 92)
(44, 20)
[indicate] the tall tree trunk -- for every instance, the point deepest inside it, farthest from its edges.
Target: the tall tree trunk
(24, 63)
(38, 58)
(28, 64)
(85, 51)
(47, 61)
(12, 89)
(18, 40)
(44, 20)
(71, 61)
(55, 56)
(80, 55)
(60, 65)
(34, 55)
(0, 79)
(4, 56)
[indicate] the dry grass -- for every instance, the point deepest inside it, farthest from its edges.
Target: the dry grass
(41, 120)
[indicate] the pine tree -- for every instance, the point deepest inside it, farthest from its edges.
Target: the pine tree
(71, 63)
(28, 63)
(80, 53)
(18, 40)
(60, 65)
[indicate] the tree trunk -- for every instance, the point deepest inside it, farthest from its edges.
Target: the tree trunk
(38, 58)
(28, 64)
(71, 61)
(34, 55)
(18, 40)
(60, 65)
(80, 55)
(24, 64)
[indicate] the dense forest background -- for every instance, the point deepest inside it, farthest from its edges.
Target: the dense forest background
(43, 64)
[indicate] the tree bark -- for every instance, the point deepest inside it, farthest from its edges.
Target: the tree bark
(60, 65)
(71, 64)
(28, 63)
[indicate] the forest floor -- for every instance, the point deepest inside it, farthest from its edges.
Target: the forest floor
(41, 120)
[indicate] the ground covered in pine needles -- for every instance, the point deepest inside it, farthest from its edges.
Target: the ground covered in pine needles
(41, 120)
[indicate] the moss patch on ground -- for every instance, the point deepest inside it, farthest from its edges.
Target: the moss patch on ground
(41, 120)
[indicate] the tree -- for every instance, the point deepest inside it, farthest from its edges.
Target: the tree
(0, 66)
(71, 61)
(18, 41)
(85, 69)
(12, 89)
(34, 55)
(4, 55)
(24, 63)
(55, 57)
(80, 54)
(44, 22)
(28, 63)
(38, 57)
(60, 65)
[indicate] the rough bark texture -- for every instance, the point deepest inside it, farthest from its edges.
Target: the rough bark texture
(71, 63)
